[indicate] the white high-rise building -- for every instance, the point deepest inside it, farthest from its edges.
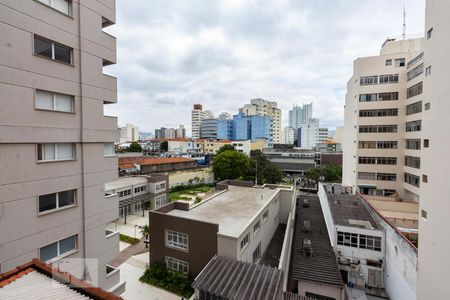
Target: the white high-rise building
(300, 115)
(288, 135)
(129, 133)
(56, 145)
(308, 134)
(224, 116)
(197, 116)
(261, 107)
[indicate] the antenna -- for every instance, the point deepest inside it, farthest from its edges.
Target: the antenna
(404, 21)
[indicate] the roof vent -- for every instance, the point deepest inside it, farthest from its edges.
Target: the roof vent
(306, 226)
(305, 202)
(307, 247)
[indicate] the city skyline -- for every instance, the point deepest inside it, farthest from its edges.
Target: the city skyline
(189, 54)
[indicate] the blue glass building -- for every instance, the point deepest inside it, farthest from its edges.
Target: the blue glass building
(225, 129)
(250, 128)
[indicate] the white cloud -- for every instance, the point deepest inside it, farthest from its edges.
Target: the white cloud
(172, 54)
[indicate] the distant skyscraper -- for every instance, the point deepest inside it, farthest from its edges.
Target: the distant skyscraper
(261, 107)
(180, 132)
(208, 129)
(197, 115)
(224, 116)
(300, 115)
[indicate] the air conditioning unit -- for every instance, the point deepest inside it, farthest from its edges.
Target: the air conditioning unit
(355, 261)
(307, 247)
(339, 253)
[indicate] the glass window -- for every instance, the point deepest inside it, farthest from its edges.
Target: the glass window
(43, 47)
(44, 100)
(67, 244)
(245, 241)
(52, 152)
(388, 62)
(47, 202)
(63, 102)
(63, 6)
(52, 50)
(265, 215)
(64, 151)
(257, 226)
(108, 149)
(177, 265)
(63, 53)
(177, 240)
(48, 252)
(399, 62)
(430, 33)
(66, 198)
(54, 101)
(257, 253)
(58, 248)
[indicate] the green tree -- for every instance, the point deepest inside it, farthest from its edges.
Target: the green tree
(230, 165)
(135, 147)
(271, 174)
(225, 148)
(329, 172)
(164, 146)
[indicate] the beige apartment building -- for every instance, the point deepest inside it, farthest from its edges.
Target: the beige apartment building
(56, 146)
(383, 113)
(261, 107)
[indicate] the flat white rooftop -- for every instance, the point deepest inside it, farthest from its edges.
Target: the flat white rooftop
(124, 182)
(232, 210)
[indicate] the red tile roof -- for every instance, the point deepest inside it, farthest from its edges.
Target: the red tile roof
(143, 160)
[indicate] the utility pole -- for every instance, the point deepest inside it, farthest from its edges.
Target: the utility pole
(256, 161)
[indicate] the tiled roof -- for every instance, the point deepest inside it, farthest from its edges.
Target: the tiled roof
(126, 166)
(144, 160)
(37, 280)
(321, 266)
(227, 278)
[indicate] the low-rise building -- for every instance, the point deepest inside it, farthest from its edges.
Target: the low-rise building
(212, 147)
(139, 193)
(243, 146)
(291, 160)
(238, 222)
(149, 165)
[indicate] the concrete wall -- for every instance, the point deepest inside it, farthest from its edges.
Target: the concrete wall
(320, 289)
(183, 176)
(22, 230)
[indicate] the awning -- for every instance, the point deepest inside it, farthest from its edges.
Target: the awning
(130, 201)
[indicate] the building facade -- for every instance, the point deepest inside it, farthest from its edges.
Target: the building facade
(197, 115)
(383, 117)
(261, 107)
(129, 133)
(300, 115)
(55, 137)
(252, 128)
(308, 134)
(208, 129)
(225, 129)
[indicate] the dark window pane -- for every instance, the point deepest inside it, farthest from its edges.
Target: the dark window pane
(67, 244)
(47, 202)
(62, 54)
(42, 47)
(66, 198)
(48, 252)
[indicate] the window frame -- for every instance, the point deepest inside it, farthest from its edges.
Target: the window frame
(54, 94)
(113, 148)
(170, 243)
(60, 255)
(74, 153)
(70, 10)
(58, 207)
(178, 262)
(244, 242)
(53, 43)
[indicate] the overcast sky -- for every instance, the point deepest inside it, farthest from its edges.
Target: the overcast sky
(222, 53)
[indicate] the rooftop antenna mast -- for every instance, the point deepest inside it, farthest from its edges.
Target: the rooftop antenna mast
(404, 21)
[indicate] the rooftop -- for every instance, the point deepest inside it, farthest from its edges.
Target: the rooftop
(230, 279)
(231, 209)
(321, 266)
(124, 182)
(37, 280)
(144, 160)
(349, 210)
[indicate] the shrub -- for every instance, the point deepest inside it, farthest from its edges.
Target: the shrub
(198, 199)
(176, 282)
(128, 239)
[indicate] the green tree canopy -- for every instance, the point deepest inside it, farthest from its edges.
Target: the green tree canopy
(230, 165)
(271, 174)
(225, 148)
(135, 147)
(330, 172)
(164, 146)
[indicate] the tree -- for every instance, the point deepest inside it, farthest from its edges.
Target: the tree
(225, 148)
(271, 174)
(135, 147)
(145, 232)
(329, 172)
(164, 146)
(230, 164)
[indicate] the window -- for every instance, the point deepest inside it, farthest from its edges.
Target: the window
(388, 62)
(415, 60)
(427, 106)
(257, 253)
(413, 144)
(177, 240)
(388, 112)
(52, 50)
(426, 143)
(389, 78)
(386, 177)
(366, 175)
(367, 97)
(140, 189)
(414, 108)
(257, 226)
(54, 101)
(52, 152)
(54, 201)
(265, 215)
(244, 242)
(415, 90)
(414, 126)
(108, 149)
(377, 128)
(386, 144)
(425, 178)
(160, 201)
(368, 80)
(64, 6)
(388, 96)
(430, 33)
(412, 161)
(412, 179)
(424, 214)
(399, 62)
(177, 265)
(367, 144)
(58, 248)
(428, 71)
(415, 72)
(124, 193)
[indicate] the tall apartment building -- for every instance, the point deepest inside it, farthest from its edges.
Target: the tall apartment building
(308, 134)
(56, 145)
(208, 129)
(434, 241)
(383, 116)
(300, 115)
(322, 134)
(129, 133)
(288, 135)
(197, 115)
(261, 107)
(180, 132)
(252, 128)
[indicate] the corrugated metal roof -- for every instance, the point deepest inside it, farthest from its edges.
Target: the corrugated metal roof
(321, 266)
(35, 285)
(237, 280)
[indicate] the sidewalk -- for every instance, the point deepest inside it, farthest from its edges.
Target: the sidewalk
(128, 253)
